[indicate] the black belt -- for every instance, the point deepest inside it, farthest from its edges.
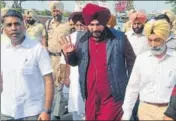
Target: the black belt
(157, 104)
(55, 54)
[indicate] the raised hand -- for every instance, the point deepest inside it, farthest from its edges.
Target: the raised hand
(66, 44)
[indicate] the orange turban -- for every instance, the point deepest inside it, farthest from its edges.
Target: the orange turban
(138, 16)
(93, 11)
(112, 21)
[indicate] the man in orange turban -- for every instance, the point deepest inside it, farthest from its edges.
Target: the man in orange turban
(136, 36)
(138, 16)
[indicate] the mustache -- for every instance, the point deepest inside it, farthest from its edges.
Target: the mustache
(156, 48)
(97, 32)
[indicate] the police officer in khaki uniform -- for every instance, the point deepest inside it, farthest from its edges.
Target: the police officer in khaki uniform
(56, 29)
(34, 29)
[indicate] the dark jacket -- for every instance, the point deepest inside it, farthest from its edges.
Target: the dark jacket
(120, 60)
(171, 110)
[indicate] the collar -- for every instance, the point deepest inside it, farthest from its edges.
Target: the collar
(133, 33)
(53, 22)
(25, 43)
(169, 52)
(33, 24)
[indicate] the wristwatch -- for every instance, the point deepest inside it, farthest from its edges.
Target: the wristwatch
(47, 111)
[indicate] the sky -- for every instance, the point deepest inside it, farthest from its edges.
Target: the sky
(148, 6)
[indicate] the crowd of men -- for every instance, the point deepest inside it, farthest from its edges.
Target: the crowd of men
(111, 74)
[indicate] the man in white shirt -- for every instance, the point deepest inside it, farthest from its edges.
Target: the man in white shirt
(76, 105)
(27, 74)
(136, 36)
(153, 76)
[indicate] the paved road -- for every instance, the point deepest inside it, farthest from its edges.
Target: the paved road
(67, 117)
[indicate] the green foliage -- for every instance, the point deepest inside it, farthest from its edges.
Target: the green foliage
(66, 14)
(173, 3)
(2, 4)
(19, 9)
(45, 13)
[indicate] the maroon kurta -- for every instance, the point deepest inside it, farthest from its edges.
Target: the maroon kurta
(100, 104)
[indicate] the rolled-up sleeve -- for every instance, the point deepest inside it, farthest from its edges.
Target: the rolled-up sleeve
(171, 110)
(44, 62)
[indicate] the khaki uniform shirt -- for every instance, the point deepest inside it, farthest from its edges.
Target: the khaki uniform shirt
(55, 31)
(36, 31)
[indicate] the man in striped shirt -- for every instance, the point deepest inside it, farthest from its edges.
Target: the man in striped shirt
(153, 76)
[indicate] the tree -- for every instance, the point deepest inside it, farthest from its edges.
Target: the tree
(17, 3)
(173, 3)
(66, 14)
(46, 13)
(3, 4)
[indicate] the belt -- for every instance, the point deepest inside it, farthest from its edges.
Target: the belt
(55, 54)
(157, 104)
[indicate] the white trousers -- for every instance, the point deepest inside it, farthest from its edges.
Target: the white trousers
(76, 116)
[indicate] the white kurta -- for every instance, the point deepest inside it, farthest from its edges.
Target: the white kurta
(75, 102)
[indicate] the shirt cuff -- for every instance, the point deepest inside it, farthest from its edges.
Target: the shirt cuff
(47, 72)
(170, 112)
(126, 116)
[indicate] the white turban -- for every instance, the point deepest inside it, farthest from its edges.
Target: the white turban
(56, 5)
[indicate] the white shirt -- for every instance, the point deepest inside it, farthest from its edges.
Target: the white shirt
(23, 68)
(75, 102)
(152, 79)
(139, 42)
